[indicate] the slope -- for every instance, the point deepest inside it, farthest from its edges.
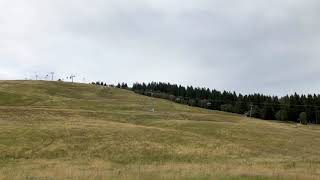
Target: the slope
(56, 130)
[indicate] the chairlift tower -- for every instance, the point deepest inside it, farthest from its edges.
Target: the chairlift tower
(52, 74)
(71, 77)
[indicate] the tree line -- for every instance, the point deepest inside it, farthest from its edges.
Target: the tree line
(297, 108)
(101, 83)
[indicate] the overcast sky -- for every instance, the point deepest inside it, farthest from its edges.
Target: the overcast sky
(265, 46)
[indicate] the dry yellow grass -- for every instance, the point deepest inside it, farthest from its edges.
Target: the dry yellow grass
(51, 130)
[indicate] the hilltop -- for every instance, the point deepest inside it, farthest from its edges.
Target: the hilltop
(58, 130)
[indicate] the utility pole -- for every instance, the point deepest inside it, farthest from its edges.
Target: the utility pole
(152, 102)
(251, 108)
(71, 77)
(52, 74)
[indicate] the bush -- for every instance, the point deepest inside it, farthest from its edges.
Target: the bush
(172, 98)
(226, 107)
(303, 118)
(204, 103)
(282, 115)
(191, 102)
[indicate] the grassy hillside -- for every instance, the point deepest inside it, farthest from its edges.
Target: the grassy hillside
(55, 130)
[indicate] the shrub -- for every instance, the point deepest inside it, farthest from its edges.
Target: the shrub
(303, 118)
(226, 107)
(282, 115)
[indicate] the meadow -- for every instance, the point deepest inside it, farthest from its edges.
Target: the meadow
(57, 130)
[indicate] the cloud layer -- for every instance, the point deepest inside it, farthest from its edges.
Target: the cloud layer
(267, 46)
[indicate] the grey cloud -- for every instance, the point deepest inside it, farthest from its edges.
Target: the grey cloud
(267, 46)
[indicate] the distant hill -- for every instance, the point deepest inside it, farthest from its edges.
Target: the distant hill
(58, 130)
